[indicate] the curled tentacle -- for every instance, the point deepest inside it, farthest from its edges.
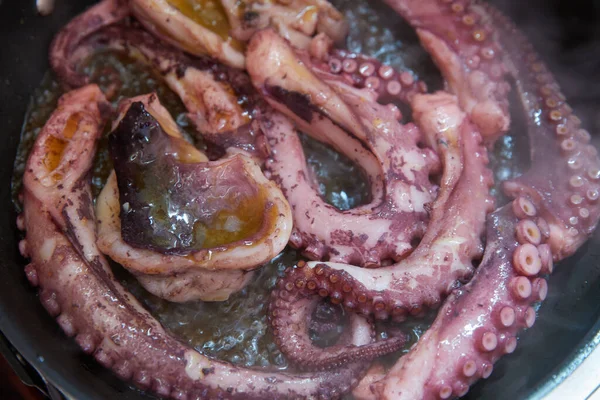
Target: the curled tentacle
(290, 313)
(369, 134)
(465, 46)
(444, 256)
(482, 319)
(78, 288)
(169, 212)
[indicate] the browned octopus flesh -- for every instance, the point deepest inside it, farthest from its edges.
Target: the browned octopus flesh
(192, 224)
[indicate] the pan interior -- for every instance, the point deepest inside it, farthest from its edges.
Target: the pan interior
(565, 318)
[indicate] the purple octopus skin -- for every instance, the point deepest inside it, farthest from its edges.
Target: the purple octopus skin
(555, 210)
(220, 100)
(78, 288)
(369, 134)
(464, 45)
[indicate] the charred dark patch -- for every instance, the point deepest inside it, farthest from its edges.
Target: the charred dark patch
(69, 230)
(250, 17)
(85, 207)
(298, 103)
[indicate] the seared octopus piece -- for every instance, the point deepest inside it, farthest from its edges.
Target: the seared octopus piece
(555, 210)
(220, 101)
(214, 28)
(296, 20)
(365, 131)
(77, 287)
(187, 227)
(199, 31)
(466, 48)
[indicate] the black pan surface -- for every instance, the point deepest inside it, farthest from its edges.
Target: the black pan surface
(568, 326)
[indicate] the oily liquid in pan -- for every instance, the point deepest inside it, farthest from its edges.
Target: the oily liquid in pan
(236, 330)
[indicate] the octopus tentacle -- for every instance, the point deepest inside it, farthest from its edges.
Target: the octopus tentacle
(78, 288)
(225, 205)
(220, 101)
(442, 259)
(369, 134)
(289, 315)
(481, 319)
(570, 199)
(464, 45)
(105, 13)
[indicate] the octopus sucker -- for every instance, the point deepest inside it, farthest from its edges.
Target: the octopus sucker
(193, 225)
(193, 239)
(363, 72)
(77, 286)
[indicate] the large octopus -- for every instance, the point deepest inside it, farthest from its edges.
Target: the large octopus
(190, 225)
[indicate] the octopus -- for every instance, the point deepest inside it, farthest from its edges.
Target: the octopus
(192, 224)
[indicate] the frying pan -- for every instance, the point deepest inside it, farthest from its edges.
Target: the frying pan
(568, 326)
